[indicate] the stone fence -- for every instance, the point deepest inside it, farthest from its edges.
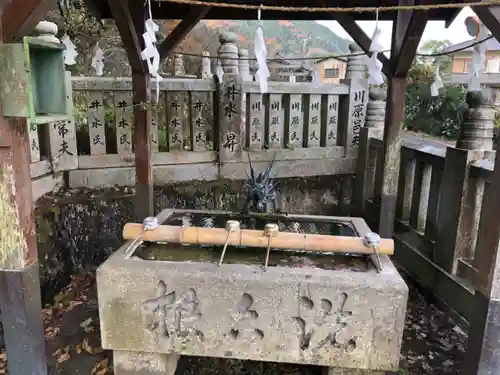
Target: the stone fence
(204, 129)
(441, 193)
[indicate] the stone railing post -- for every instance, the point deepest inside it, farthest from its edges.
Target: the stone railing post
(354, 111)
(206, 66)
(228, 53)
(458, 196)
(375, 111)
(356, 65)
(476, 131)
(244, 65)
(178, 65)
(231, 126)
(47, 31)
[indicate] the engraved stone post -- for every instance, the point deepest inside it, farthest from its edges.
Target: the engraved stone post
(354, 111)
(206, 69)
(476, 132)
(356, 64)
(231, 100)
(244, 65)
(374, 128)
(228, 52)
(62, 136)
(178, 65)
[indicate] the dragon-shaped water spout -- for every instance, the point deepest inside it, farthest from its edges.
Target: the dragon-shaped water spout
(260, 190)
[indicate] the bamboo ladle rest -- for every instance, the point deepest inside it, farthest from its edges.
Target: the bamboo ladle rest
(255, 238)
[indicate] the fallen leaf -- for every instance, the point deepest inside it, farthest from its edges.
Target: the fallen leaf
(72, 305)
(51, 332)
(100, 368)
(62, 355)
(78, 349)
(86, 322)
(86, 346)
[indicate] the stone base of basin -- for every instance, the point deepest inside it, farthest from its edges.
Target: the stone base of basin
(341, 319)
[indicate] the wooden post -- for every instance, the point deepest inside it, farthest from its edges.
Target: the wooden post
(483, 350)
(141, 85)
(129, 17)
(407, 31)
(391, 154)
(20, 300)
(144, 195)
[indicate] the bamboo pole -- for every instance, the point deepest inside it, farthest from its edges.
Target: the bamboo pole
(255, 238)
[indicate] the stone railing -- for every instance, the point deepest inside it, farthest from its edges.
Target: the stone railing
(441, 192)
(204, 129)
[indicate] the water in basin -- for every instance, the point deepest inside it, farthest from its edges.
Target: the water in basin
(246, 255)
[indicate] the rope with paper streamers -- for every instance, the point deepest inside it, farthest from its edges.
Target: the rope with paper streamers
(288, 9)
(346, 55)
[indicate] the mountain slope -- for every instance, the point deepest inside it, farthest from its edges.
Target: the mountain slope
(286, 37)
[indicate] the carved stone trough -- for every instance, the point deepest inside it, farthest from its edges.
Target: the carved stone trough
(330, 310)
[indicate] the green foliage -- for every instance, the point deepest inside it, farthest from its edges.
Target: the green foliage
(434, 47)
(438, 116)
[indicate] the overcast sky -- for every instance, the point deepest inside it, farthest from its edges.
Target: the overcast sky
(434, 30)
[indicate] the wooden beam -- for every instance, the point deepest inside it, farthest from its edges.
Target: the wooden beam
(141, 85)
(404, 49)
(490, 17)
(352, 28)
(182, 29)
(144, 195)
(130, 16)
(3, 4)
(131, 37)
(19, 18)
(450, 20)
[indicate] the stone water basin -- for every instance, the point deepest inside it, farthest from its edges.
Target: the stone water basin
(332, 310)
